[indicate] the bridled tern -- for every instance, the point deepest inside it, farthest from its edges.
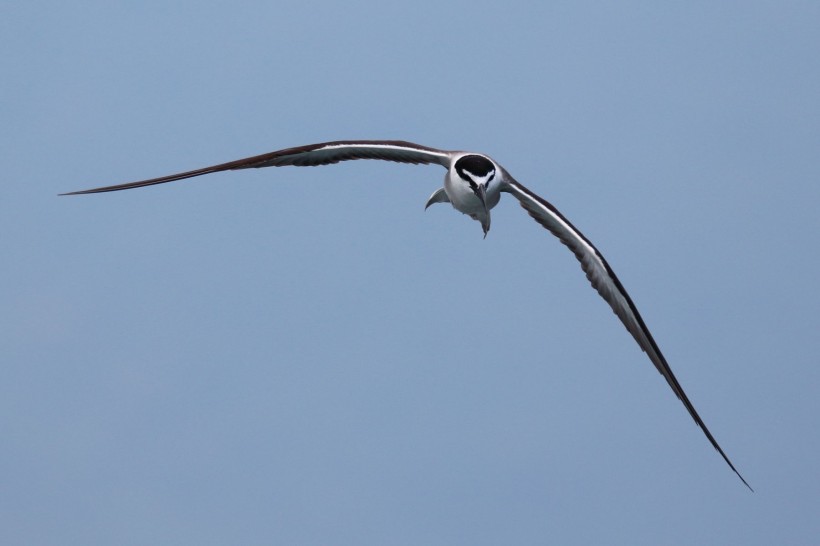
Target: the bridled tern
(473, 185)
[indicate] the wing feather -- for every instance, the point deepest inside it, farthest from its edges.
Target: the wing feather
(325, 153)
(604, 280)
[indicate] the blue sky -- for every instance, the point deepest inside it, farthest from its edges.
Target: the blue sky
(306, 356)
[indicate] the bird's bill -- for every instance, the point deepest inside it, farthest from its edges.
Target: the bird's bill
(481, 193)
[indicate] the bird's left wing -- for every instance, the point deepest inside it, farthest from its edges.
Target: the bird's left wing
(325, 153)
(603, 279)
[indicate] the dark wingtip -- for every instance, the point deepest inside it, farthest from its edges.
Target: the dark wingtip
(744, 481)
(84, 192)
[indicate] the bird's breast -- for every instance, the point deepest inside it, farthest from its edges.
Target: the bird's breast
(464, 199)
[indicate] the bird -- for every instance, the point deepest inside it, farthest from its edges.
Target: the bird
(473, 185)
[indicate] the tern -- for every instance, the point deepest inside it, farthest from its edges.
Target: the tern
(473, 185)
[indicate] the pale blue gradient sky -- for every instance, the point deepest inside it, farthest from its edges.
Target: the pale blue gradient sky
(305, 356)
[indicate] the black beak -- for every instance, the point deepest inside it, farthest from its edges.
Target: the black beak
(481, 192)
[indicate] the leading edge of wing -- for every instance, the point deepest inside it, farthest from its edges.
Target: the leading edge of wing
(604, 280)
(325, 153)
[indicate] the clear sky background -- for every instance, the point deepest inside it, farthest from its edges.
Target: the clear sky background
(306, 356)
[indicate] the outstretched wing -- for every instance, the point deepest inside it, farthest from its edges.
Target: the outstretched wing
(311, 155)
(603, 279)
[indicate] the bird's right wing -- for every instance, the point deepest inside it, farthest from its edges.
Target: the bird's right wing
(325, 153)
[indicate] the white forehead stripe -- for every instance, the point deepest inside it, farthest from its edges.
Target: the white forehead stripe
(480, 179)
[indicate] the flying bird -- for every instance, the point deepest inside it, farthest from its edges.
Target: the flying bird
(473, 185)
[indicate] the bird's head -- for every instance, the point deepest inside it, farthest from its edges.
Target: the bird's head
(477, 172)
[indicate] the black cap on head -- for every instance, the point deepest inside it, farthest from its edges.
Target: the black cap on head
(475, 165)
